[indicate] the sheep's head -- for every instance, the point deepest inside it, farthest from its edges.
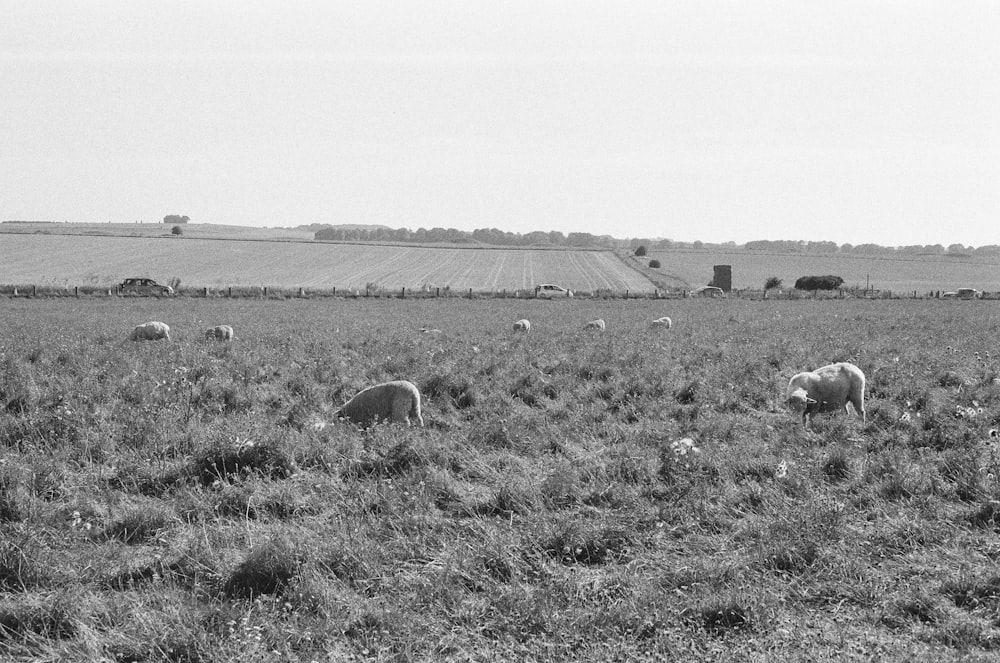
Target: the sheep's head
(799, 400)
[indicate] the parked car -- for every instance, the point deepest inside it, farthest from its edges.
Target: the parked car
(968, 293)
(708, 291)
(551, 290)
(141, 286)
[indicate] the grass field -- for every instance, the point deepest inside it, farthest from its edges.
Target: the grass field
(84, 260)
(902, 275)
(220, 256)
(181, 501)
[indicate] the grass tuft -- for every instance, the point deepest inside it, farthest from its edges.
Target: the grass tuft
(228, 463)
(267, 569)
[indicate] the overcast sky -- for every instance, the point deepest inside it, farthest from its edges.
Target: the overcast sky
(819, 120)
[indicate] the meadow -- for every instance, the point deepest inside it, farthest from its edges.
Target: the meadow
(636, 494)
(900, 274)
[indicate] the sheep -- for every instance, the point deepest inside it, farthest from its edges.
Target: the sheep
(827, 389)
(150, 331)
(595, 324)
(397, 401)
(221, 332)
(664, 322)
(522, 326)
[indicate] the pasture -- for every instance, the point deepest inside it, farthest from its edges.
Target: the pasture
(636, 494)
(900, 274)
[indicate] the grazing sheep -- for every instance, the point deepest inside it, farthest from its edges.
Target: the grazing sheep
(397, 401)
(150, 331)
(522, 326)
(827, 389)
(221, 332)
(664, 322)
(595, 324)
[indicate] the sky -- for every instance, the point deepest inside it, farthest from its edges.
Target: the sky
(828, 120)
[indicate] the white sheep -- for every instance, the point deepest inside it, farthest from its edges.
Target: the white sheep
(397, 401)
(664, 322)
(827, 389)
(522, 326)
(150, 331)
(595, 324)
(221, 332)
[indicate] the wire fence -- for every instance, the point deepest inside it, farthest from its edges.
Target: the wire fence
(283, 292)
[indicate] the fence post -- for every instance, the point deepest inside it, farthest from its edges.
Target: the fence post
(302, 292)
(76, 291)
(206, 293)
(230, 291)
(334, 291)
(470, 293)
(33, 290)
(402, 295)
(626, 294)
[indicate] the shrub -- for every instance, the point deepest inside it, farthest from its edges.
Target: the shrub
(818, 282)
(772, 282)
(640, 250)
(176, 230)
(654, 264)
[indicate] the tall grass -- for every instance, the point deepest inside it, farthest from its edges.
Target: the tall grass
(635, 494)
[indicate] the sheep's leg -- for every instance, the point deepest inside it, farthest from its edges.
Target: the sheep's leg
(400, 410)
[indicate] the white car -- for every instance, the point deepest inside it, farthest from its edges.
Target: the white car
(708, 291)
(551, 290)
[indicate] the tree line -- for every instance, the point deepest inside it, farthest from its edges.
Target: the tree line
(497, 237)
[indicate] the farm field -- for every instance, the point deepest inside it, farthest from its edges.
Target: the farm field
(636, 494)
(899, 274)
(84, 260)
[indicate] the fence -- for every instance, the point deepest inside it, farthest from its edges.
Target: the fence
(272, 292)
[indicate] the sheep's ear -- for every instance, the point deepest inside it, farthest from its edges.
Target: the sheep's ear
(811, 401)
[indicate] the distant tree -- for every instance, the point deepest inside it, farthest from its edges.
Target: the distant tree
(829, 282)
(640, 250)
(175, 218)
(697, 244)
(655, 264)
(176, 230)
(772, 282)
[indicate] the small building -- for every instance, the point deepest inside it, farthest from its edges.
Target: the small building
(723, 277)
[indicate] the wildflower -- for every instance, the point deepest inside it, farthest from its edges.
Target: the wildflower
(684, 446)
(782, 470)
(905, 416)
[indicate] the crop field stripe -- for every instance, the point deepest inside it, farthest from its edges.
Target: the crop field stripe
(583, 272)
(466, 268)
(498, 270)
(430, 277)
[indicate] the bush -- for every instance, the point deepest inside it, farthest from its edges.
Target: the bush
(640, 251)
(818, 282)
(772, 282)
(654, 264)
(176, 230)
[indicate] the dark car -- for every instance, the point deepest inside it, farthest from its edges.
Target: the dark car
(141, 286)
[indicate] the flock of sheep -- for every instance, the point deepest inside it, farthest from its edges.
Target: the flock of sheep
(827, 389)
